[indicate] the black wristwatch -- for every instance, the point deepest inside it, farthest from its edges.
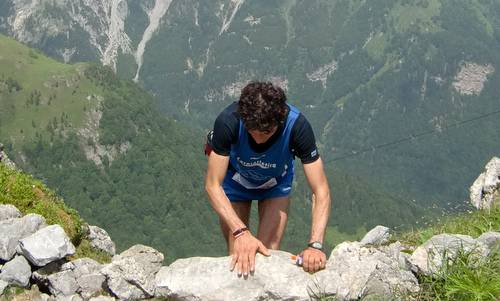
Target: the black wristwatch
(316, 245)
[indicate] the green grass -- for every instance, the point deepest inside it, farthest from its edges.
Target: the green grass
(407, 17)
(376, 46)
(85, 250)
(32, 196)
(465, 278)
(62, 90)
(11, 292)
(473, 224)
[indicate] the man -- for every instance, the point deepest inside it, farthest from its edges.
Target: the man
(254, 143)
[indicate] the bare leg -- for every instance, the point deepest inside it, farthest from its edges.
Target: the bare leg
(243, 211)
(273, 216)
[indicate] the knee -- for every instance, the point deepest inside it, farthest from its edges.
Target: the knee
(272, 242)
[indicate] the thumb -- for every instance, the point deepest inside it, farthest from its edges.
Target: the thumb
(262, 249)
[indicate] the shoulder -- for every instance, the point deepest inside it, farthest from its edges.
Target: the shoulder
(229, 116)
(301, 124)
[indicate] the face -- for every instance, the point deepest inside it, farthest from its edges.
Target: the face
(262, 137)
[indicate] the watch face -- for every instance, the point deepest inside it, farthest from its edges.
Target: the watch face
(316, 245)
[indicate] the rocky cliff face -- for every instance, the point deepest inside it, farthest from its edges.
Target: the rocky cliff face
(71, 30)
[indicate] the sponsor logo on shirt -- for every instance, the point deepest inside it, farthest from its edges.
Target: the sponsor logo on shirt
(258, 163)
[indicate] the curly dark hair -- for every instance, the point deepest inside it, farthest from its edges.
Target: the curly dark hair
(262, 106)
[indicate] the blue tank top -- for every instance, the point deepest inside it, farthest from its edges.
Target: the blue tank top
(263, 170)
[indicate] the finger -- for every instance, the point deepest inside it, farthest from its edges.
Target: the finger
(262, 249)
(240, 266)
(245, 265)
(311, 264)
(323, 262)
(305, 262)
(317, 262)
(234, 259)
(252, 263)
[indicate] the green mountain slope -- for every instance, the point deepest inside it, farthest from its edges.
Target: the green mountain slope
(364, 72)
(106, 148)
(102, 143)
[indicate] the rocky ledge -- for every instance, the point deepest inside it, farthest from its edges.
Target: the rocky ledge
(34, 254)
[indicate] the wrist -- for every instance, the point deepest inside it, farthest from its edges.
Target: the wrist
(317, 245)
(239, 232)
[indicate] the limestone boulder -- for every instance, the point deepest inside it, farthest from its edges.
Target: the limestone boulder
(356, 272)
(16, 272)
(3, 286)
(9, 211)
(429, 258)
(131, 274)
(202, 278)
(102, 298)
(100, 240)
(15, 229)
(81, 276)
(376, 236)
(69, 298)
(486, 187)
(46, 245)
(490, 239)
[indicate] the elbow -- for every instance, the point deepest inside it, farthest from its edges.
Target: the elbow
(210, 187)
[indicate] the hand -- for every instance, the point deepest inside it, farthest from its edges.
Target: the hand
(245, 248)
(313, 260)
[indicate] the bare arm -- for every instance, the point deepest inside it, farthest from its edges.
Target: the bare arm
(217, 168)
(246, 245)
(321, 201)
(315, 260)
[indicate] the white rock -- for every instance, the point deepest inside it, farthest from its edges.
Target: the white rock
(62, 284)
(15, 229)
(131, 274)
(486, 187)
(69, 298)
(80, 276)
(9, 211)
(46, 245)
(376, 236)
(3, 286)
(16, 272)
(86, 274)
(355, 272)
(102, 298)
(490, 239)
(429, 258)
(203, 278)
(100, 239)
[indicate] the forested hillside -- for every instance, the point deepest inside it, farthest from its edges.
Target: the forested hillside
(366, 73)
(127, 168)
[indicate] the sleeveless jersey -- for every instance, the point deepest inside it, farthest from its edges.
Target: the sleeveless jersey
(263, 170)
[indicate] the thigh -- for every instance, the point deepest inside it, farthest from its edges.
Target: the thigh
(273, 216)
(242, 209)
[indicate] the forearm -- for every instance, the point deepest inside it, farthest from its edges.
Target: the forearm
(222, 207)
(321, 203)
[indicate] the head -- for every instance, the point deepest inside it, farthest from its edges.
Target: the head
(262, 107)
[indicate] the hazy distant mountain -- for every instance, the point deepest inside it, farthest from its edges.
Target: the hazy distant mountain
(364, 72)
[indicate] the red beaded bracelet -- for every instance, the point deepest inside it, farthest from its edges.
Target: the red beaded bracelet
(239, 232)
